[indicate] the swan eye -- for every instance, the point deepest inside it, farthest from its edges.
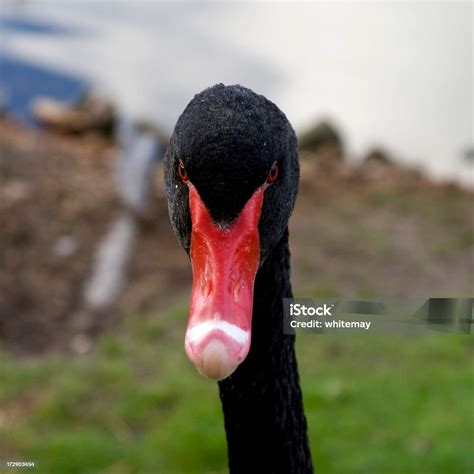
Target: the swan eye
(273, 174)
(182, 172)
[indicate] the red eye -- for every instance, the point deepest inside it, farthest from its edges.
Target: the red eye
(273, 174)
(182, 172)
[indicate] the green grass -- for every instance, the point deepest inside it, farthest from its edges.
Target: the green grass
(136, 405)
(389, 404)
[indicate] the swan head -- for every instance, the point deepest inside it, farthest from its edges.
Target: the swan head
(231, 179)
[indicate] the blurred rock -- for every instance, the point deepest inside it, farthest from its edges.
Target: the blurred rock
(15, 190)
(324, 166)
(91, 114)
(81, 344)
(324, 140)
(378, 165)
(65, 246)
(379, 156)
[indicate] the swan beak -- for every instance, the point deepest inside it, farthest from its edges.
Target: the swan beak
(224, 262)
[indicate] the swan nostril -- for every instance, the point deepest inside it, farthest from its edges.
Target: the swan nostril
(236, 292)
(205, 280)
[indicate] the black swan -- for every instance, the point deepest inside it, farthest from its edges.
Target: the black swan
(231, 178)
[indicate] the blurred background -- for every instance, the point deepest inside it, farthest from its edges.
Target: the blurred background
(94, 287)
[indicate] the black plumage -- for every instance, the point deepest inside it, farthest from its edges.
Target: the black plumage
(228, 138)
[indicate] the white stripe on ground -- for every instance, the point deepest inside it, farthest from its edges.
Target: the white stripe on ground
(110, 263)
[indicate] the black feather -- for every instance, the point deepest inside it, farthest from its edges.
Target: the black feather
(228, 138)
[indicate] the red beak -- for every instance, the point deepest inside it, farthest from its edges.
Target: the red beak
(224, 262)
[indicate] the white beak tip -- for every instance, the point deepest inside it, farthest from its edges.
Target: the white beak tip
(215, 361)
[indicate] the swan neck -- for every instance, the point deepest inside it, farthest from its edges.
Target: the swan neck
(262, 401)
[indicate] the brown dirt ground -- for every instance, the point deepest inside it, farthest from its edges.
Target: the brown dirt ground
(52, 186)
(372, 230)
